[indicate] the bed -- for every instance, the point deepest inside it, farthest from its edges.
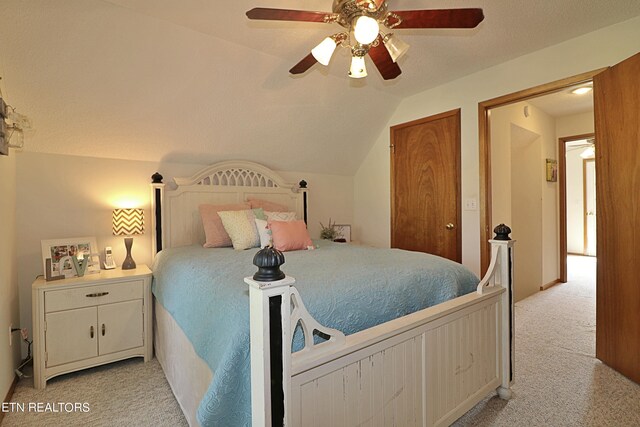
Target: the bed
(390, 337)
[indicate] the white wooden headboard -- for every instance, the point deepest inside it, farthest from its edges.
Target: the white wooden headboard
(175, 215)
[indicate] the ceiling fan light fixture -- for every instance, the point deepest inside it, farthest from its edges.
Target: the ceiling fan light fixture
(358, 68)
(324, 51)
(396, 46)
(365, 29)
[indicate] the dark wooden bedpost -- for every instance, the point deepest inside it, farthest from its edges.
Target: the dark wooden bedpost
(157, 199)
(303, 187)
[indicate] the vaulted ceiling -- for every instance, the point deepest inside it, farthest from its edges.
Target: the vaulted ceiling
(196, 81)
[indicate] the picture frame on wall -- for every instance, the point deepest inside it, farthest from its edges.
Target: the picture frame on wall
(552, 170)
(343, 231)
(61, 251)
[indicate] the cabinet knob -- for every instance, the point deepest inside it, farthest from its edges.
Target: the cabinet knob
(91, 332)
(450, 226)
(104, 329)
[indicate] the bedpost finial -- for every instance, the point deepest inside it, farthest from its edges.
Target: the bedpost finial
(268, 261)
(303, 184)
(502, 232)
(156, 178)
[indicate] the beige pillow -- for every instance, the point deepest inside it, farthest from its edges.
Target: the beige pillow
(280, 216)
(216, 236)
(241, 227)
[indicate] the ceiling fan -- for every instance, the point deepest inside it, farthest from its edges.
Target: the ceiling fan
(363, 19)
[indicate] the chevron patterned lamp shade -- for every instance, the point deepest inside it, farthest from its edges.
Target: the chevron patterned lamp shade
(128, 222)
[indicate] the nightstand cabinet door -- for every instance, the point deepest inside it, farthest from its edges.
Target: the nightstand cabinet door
(120, 326)
(71, 335)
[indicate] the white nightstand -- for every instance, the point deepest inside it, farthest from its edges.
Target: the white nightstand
(87, 321)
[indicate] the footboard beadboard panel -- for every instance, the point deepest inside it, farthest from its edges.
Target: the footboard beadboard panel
(429, 377)
(461, 360)
(383, 389)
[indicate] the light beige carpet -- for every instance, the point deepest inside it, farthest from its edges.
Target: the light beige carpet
(558, 380)
(127, 393)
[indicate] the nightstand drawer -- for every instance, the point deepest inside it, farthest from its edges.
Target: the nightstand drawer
(87, 296)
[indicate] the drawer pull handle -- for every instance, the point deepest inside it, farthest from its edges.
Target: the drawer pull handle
(104, 329)
(98, 294)
(91, 332)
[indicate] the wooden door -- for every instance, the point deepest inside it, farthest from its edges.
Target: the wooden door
(425, 186)
(617, 123)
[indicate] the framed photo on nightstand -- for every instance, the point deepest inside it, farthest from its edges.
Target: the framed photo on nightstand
(344, 231)
(61, 251)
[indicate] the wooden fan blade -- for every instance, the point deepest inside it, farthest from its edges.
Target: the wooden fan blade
(440, 18)
(381, 57)
(302, 66)
(288, 15)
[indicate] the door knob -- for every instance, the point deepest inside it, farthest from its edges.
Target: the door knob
(450, 226)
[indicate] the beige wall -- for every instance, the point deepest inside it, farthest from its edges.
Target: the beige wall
(69, 196)
(9, 356)
(588, 52)
(527, 209)
(521, 196)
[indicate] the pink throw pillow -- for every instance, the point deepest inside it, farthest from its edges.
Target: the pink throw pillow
(267, 205)
(290, 235)
(215, 234)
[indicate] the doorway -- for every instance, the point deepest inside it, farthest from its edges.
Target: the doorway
(576, 175)
(484, 113)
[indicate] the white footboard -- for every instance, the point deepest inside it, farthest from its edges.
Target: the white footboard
(424, 369)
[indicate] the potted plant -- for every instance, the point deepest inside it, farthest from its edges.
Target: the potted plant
(329, 232)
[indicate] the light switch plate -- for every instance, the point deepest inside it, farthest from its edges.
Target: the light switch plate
(471, 204)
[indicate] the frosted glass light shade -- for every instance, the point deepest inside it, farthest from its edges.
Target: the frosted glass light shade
(324, 51)
(358, 68)
(396, 46)
(366, 29)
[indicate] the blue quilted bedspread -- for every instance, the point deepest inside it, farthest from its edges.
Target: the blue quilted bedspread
(346, 287)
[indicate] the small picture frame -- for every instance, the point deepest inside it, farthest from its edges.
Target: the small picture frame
(61, 251)
(343, 231)
(552, 170)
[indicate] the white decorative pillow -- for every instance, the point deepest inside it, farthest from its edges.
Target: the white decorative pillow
(241, 228)
(280, 216)
(264, 233)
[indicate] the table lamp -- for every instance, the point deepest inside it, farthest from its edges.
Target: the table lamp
(128, 222)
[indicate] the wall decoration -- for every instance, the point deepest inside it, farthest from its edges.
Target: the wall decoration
(552, 170)
(343, 231)
(61, 252)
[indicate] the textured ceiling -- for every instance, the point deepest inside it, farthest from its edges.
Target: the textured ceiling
(564, 103)
(195, 81)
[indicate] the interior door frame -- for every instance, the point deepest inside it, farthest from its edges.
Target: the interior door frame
(585, 215)
(562, 200)
(458, 166)
(484, 142)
